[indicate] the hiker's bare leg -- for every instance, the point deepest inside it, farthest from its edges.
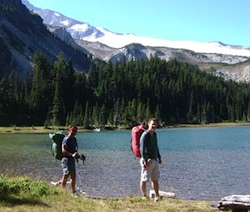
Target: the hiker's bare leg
(155, 186)
(64, 180)
(143, 188)
(73, 181)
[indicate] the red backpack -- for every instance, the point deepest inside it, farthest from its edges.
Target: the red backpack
(135, 140)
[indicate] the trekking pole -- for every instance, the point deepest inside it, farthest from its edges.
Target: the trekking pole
(79, 179)
(79, 174)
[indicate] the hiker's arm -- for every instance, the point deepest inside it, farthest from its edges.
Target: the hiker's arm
(67, 153)
(159, 160)
(159, 156)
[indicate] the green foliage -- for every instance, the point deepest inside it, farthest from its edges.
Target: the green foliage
(114, 203)
(121, 94)
(61, 200)
(22, 186)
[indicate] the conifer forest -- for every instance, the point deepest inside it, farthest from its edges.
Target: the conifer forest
(120, 94)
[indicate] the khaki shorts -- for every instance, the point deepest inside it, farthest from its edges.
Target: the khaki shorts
(151, 172)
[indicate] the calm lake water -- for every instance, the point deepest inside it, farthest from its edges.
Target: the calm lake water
(198, 163)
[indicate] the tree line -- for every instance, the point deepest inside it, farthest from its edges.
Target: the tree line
(120, 94)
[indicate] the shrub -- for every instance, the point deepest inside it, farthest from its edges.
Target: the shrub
(23, 186)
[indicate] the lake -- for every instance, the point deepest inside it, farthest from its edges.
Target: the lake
(205, 163)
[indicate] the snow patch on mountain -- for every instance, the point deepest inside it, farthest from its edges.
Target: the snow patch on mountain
(80, 27)
(84, 31)
(119, 41)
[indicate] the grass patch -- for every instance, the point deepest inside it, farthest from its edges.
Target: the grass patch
(25, 194)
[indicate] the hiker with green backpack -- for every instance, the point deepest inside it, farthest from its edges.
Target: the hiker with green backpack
(69, 150)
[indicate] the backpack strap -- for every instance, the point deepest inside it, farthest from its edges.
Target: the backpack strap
(51, 147)
(147, 137)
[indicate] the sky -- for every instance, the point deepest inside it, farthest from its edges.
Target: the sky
(177, 20)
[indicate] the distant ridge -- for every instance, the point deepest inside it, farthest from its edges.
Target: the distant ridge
(84, 31)
(227, 61)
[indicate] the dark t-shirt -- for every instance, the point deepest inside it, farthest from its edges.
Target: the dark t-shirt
(71, 144)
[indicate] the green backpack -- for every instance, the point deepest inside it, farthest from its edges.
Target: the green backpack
(56, 146)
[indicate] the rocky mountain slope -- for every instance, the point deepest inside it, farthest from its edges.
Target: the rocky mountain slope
(22, 34)
(228, 61)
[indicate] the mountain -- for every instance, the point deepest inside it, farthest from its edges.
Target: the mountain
(22, 34)
(84, 31)
(228, 61)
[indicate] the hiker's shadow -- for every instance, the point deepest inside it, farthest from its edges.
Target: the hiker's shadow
(11, 201)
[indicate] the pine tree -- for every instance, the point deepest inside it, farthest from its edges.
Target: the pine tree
(58, 112)
(86, 122)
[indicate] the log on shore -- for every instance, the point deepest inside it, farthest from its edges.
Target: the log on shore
(162, 194)
(236, 203)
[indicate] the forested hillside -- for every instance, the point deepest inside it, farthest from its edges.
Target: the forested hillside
(120, 94)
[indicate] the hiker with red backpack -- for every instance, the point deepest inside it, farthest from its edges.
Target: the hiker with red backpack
(150, 159)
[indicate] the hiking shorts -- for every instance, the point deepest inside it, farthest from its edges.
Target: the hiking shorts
(151, 172)
(68, 165)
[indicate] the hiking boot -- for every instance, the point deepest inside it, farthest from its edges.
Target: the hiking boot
(157, 198)
(75, 194)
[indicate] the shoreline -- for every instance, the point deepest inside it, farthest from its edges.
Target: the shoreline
(41, 129)
(223, 124)
(34, 129)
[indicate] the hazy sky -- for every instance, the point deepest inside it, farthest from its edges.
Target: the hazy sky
(193, 20)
